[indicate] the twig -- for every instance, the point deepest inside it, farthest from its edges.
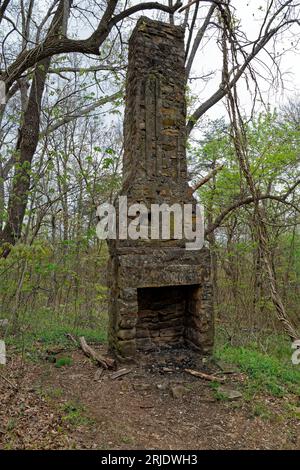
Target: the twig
(216, 2)
(202, 375)
(188, 5)
(71, 337)
(9, 382)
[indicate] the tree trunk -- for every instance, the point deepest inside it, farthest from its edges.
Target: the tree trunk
(26, 147)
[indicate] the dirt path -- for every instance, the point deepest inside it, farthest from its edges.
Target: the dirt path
(68, 407)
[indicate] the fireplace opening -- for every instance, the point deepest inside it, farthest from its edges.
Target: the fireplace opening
(166, 316)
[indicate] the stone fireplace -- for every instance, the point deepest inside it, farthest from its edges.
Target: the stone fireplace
(160, 293)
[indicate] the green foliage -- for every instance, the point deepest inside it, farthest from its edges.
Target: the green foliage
(51, 393)
(261, 410)
(217, 393)
(63, 361)
(266, 373)
(46, 293)
(75, 414)
(44, 333)
(273, 146)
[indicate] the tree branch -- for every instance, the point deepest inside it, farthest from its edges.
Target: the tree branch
(216, 2)
(82, 112)
(225, 87)
(250, 200)
(60, 44)
(206, 178)
(145, 6)
(198, 39)
(96, 68)
(3, 8)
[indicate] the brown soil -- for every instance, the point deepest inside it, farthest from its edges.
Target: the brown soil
(45, 407)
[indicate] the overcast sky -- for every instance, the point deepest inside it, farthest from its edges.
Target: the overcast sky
(209, 60)
(275, 94)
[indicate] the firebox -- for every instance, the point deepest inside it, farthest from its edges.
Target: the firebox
(160, 292)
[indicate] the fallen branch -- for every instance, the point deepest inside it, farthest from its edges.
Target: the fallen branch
(9, 382)
(202, 375)
(120, 373)
(105, 362)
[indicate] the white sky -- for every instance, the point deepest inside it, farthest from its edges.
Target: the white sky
(208, 60)
(250, 15)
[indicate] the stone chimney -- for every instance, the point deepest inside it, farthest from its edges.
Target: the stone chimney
(160, 293)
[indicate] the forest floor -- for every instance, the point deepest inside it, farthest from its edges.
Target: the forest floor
(60, 400)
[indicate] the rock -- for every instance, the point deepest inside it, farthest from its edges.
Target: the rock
(141, 387)
(127, 334)
(126, 348)
(230, 393)
(4, 323)
(146, 344)
(163, 386)
(98, 374)
(217, 428)
(178, 391)
(227, 368)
